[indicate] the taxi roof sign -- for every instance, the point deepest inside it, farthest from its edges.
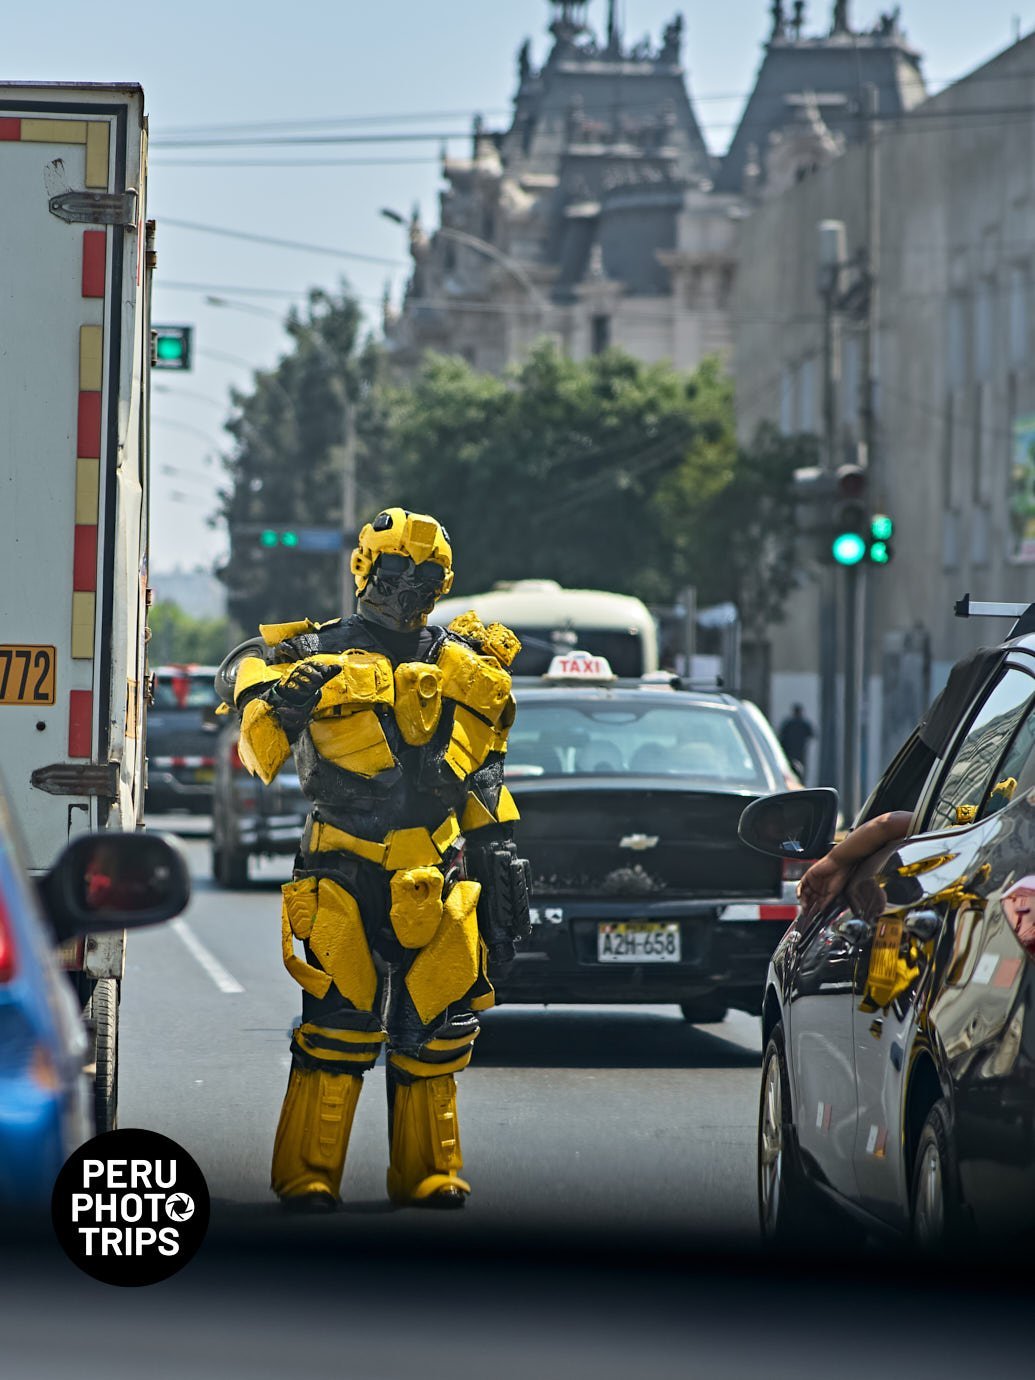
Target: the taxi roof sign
(580, 666)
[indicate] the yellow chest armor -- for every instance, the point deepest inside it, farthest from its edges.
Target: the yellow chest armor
(346, 726)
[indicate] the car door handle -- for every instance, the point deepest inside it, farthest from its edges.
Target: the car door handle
(923, 924)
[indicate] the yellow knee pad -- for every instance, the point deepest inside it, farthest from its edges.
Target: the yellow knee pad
(313, 1133)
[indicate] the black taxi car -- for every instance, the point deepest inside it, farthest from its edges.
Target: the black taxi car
(630, 792)
(899, 1022)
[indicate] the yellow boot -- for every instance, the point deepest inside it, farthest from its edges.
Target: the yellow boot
(426, 1145)
(312, 1137)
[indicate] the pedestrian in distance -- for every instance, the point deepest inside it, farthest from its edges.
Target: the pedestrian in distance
(796, 732)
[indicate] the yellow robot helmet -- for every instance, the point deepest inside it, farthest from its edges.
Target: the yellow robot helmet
(398, 532)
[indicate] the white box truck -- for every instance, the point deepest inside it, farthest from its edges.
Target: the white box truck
(74, 361)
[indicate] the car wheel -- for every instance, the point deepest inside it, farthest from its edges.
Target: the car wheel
(935, 1205)
(790, 1211)
(103, 1013)
(230, 868)
(703, 1012)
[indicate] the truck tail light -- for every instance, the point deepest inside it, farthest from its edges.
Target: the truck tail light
(7, 955)
(235, 759)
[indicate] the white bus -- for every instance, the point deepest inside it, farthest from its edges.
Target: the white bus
(550, 619)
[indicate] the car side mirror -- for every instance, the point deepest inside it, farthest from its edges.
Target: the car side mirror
(794, 824)
(114, 881)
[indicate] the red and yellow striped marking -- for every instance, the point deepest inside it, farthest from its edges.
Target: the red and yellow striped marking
(95, 136)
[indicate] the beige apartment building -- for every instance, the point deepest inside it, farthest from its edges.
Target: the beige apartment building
(954, 459)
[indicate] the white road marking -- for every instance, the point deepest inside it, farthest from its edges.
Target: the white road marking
(212, 966)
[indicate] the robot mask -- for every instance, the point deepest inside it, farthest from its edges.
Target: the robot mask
(401, 593)
(402, 563)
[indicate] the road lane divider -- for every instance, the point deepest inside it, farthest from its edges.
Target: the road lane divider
(225, 981)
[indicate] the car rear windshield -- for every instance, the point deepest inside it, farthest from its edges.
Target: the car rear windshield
(184, 690)
(703, 742)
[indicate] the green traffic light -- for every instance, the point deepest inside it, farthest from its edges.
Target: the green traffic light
(289, 538)
(169, 347)
(848, 548)
(882, 527)
(879, 553)
(268, 538)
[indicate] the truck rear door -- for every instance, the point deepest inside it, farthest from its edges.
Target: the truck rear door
(74, 341)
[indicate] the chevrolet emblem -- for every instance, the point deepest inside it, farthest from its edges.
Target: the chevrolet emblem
(639, 843)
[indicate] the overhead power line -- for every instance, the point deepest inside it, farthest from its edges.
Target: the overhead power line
(294, 162)
(398, 137)
(282, 244)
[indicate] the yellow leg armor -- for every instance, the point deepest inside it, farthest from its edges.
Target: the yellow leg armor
(313, 1134)
(426, 1145)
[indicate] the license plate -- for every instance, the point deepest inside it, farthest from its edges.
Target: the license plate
(27, 675)
(637, 941)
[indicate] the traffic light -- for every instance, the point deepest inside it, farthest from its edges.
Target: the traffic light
(278, 536)
(882, 529)
(172, 347)
(849, 540)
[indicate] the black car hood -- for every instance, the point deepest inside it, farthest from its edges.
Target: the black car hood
(640, 837)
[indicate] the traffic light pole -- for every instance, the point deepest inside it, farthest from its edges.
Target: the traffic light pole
(828, 716)
(854, 625)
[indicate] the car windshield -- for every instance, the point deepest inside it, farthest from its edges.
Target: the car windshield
(703, 742)
(184, 690)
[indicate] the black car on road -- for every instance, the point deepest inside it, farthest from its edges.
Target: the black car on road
(899, 1070)
(181, 738)
(250, 819)
(630, 793)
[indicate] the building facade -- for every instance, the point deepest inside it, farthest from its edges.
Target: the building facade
(598, 217)
(945, 200)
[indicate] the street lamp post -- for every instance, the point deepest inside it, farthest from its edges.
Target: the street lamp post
(512, 266)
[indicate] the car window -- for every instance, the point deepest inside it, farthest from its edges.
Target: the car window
(184, 690)
(1016, 772)
(969, 775)
(703, 742)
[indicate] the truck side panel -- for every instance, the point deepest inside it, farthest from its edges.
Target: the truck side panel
(73, 349)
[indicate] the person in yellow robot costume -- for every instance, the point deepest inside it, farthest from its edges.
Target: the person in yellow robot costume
(407, 889)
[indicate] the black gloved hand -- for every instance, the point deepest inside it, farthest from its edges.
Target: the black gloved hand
(302, 688)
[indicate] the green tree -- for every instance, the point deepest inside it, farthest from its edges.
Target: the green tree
(178, 637)
(559, 468)
(285, 467)
(745, 547)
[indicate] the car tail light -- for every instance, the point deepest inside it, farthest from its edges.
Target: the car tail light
(235, 759)
(7, 955)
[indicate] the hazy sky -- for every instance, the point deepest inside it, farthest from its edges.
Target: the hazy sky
(204, 63)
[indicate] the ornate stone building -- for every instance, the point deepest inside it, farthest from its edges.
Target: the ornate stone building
(599, 217)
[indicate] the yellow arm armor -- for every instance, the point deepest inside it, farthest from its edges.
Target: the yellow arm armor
(264, 747)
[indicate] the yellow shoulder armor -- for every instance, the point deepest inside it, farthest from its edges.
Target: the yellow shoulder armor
(479, 682)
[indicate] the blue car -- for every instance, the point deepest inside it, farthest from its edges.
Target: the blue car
(100, 883)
